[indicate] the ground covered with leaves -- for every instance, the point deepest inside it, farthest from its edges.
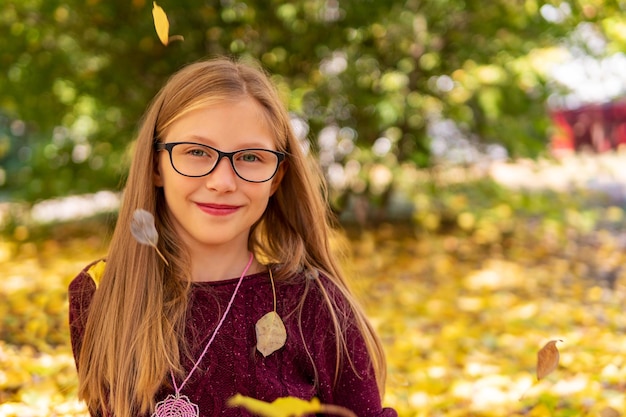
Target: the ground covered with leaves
(463, 298)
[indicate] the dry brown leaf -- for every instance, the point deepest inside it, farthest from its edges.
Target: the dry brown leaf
(547, 359)
(270, 333)
(609, 412)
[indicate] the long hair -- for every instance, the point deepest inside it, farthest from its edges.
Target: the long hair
(137, 316)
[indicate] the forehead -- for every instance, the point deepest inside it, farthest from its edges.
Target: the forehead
(242, 122)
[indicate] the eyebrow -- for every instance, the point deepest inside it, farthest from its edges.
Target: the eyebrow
(203, 140)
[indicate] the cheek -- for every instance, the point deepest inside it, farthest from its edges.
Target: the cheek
(259, 196)
(175, 201)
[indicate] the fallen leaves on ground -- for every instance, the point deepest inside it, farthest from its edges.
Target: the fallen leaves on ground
(461, 321)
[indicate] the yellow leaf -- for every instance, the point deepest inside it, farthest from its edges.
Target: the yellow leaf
(161, 24)
(281, 407)
(96, 271)
(547, 359)
(270, 333)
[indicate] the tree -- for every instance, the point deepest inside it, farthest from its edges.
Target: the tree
(365, 77)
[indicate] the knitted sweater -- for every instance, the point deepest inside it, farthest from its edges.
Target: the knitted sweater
(233, 365)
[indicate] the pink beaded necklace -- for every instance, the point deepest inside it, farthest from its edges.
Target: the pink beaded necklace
(179, 405)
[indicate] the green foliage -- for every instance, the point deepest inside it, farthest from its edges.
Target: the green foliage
(490, 213)
(79, 74)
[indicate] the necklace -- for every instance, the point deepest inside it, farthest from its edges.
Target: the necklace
(178, 405)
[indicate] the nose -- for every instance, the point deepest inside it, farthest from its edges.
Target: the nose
(223, 177)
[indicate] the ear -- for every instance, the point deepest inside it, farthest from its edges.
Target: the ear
(157, 179)
(278, 177)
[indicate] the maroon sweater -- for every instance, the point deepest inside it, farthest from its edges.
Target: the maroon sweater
(233, 365)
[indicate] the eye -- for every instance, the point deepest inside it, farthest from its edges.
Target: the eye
(199, 152)
(196, 151)
(249, 157)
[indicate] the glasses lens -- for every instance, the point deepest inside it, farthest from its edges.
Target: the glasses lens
(256, 165)
(193, 160)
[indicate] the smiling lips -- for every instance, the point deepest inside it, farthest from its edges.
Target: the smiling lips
(217, 209)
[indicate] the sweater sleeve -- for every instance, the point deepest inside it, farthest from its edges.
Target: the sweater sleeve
(80, 294)
(353, 383)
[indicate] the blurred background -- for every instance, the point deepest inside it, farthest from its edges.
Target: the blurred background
(474, 152)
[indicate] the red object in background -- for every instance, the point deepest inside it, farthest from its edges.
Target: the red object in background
(593, 127)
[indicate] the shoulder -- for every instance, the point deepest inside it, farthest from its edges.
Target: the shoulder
(84, 285)
(312, 286)
(89, 275)
(319, 298)
(80, 294)
(329, 291)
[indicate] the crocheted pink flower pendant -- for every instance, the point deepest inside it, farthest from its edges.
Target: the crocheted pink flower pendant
(176, 406)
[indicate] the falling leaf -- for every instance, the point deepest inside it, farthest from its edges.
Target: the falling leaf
(162, 25)
(270, 333)
(144, 231)
(288, 407)
(547, 359)
(281, 407)
(609, 412)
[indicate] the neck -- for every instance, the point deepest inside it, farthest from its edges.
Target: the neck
(221, 264)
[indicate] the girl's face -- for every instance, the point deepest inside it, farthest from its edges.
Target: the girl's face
(216, 210)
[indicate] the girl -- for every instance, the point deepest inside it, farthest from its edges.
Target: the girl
(243, 231)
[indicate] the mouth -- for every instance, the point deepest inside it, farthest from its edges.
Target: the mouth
(217, 209)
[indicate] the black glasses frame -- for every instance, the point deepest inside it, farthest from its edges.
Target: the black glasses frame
(159, 146)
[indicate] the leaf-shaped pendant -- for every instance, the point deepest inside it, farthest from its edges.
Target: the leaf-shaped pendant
(270, 333)
(176, 406)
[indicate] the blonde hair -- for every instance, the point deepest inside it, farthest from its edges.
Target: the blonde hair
(137, 315)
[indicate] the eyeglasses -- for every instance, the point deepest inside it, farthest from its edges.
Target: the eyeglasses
(197, 160)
